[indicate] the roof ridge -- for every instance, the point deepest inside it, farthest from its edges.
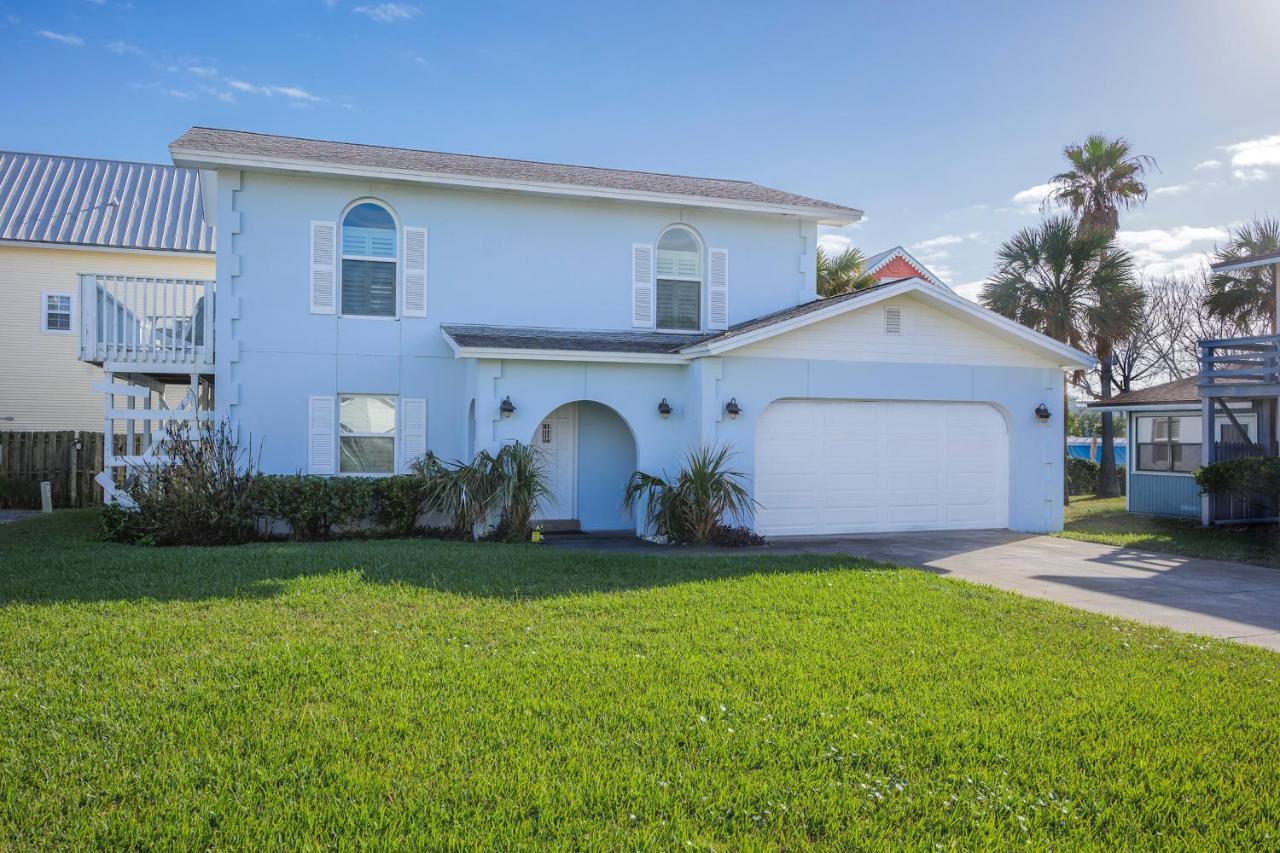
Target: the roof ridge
(477, 156)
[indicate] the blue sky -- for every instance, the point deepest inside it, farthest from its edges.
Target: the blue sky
(937, 118)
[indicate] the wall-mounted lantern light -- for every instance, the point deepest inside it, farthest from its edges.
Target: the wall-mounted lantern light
(731, 408)
(507, 408)
(1043, 413)
(664, 408)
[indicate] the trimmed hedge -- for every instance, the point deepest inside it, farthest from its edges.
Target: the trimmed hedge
(1253, 476)
(1082, 476)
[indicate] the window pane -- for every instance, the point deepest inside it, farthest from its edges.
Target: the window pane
(678, 305)
(367, 413)
(367, 455)
(369, 288)
(369, 230)
(60, 322)
(1186, 457)
(1153, 457)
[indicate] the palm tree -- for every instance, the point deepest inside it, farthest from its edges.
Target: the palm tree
(1069, 283)
(1246, 297)
(1105, 176)
(843, 273)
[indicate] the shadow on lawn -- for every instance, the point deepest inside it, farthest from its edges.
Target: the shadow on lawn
(57, 559)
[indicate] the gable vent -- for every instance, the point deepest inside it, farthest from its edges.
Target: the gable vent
(893, 321)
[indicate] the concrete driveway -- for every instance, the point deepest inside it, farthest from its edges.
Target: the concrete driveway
(1213, 597)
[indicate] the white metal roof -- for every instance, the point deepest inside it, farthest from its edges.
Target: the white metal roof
(114, 204)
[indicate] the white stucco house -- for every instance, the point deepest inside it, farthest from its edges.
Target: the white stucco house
(372, 303)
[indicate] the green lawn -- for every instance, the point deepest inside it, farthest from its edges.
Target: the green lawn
(426, 694)
(1105, 520)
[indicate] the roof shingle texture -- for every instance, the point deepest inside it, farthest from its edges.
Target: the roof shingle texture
(109, 203)
(622, 341)
(1178, 391)
(243, 143)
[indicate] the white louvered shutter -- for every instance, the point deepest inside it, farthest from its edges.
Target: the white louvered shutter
(415, 272)
(413, 430)
(718, 289)
(642, 308)
(322, 435)
(324, 281)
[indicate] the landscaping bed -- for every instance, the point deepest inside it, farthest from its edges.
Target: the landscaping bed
(416, 693)
(1105, 520)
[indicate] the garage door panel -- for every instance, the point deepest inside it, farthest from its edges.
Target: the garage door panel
(826, 467)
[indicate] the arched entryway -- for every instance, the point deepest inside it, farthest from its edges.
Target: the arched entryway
(589, 453)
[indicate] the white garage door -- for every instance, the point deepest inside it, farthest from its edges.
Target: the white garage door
(836, 466)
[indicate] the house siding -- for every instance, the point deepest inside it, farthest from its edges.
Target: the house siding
(1164, 494)
(44, 385)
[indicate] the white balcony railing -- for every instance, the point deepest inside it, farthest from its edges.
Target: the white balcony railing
(147, 322)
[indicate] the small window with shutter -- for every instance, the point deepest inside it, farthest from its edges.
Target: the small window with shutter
(679, 281)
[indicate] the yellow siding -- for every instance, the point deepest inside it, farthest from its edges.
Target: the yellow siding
(44, 385)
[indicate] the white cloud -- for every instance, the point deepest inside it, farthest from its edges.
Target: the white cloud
(123, 47)
(203, 70)
(935, 242)
(1250, 158)
(1170, 239)
(388, 13)
(181, 94)
(1031, 199)
(293, 93)
(1155, 265)
(1249, 175)
(970, 289)
(1208, 164)
(63, 38)
(1174, 189)
(834, 244)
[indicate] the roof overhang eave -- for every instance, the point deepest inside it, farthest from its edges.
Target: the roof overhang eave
(1247, 263)
(198, 159)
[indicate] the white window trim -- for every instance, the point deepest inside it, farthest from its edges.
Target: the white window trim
(395, 434)
(398, 260)
(702, 280)
(1135, 445)
(44, 312)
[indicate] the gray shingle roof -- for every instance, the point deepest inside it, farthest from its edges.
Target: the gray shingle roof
(1178, 391)
(622, 341)
(110, 203)
(244, 144)
(526, 337)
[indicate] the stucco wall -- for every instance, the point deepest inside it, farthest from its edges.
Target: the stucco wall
(606, 460)
(44, 385)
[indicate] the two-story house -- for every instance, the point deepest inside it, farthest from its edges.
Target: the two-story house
(372, 303)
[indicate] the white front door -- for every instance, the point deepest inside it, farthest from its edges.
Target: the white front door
(557, 440)
(837, 466)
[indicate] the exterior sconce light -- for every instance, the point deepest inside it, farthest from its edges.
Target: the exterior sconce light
(507, 408)
(1042, 412)
(731, 408)
(664, 408)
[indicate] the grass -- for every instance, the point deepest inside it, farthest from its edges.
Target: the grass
(428, 694)
(1105, 520)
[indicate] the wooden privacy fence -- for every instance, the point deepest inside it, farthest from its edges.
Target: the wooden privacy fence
(69, 460)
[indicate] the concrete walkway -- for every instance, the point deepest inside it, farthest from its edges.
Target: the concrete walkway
(1221, 599)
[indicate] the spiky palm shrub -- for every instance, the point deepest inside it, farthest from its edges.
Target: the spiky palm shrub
(689, 507)
(460, 492)
(521, 481)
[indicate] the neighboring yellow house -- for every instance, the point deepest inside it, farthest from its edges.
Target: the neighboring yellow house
(64, 216)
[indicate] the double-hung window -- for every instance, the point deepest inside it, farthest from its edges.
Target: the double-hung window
(366, 433)
(1169, 443)
(369, 256)
(55, 312)
(679, 280)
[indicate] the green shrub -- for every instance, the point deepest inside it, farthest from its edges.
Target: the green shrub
(690, 507)
(314, 505)
(200, 493)
(399, 503)
(1082, 476)
(521, 481)
(1253, 476)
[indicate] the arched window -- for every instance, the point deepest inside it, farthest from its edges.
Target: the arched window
(679, 280)
(369, 261)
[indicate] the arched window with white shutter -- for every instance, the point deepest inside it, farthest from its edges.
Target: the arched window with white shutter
(678, 277)
(370, 252)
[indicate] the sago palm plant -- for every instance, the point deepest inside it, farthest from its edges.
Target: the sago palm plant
(520, 478)
(689, 507)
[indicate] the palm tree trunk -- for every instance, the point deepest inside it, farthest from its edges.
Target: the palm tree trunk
(1108, 485)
